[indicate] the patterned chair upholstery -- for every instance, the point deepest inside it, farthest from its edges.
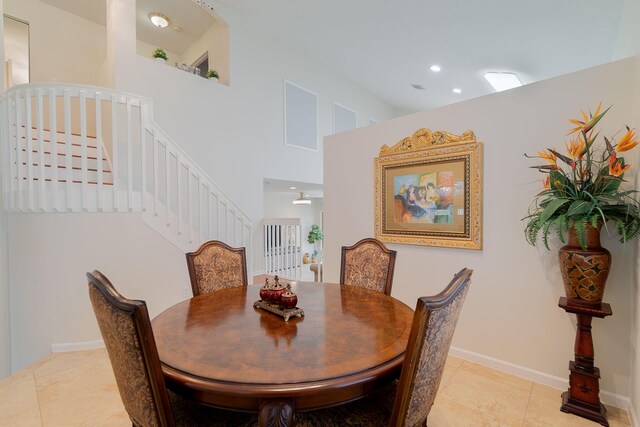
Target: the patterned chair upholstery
(408, 401)
(126, 331)
(368, 264)
(216, 265)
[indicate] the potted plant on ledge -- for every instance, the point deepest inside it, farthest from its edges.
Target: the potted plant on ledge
(213, 75)
(159, 55)
(315, 235)
(582, 193)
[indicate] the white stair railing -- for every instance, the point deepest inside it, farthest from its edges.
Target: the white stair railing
(76, 148)
(283, 247)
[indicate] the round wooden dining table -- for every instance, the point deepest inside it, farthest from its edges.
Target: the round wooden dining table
(218, 349)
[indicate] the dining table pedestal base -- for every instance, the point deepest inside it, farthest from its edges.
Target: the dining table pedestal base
(276, 413)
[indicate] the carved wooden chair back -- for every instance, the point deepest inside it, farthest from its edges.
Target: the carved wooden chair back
(368, 264)
(433, 325)
(126, 330)
(216, 265)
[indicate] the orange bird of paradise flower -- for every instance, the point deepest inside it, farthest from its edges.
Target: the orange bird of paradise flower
(616, 169)
(628, 141)
(548, 156)
(546, 183)
(586, 124)
(575, 148)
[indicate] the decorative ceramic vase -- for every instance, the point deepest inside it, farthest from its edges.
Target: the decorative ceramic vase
(265, 291)
(306, 259)
(277, 289)
(288, 299)
(158, 59)
(585, 272)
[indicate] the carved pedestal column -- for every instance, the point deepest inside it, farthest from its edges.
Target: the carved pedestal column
(582, 398)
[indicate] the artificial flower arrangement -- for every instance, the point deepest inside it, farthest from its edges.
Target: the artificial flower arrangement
(582, 188)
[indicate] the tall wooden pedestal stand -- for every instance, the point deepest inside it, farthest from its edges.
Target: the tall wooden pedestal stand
(582, 397)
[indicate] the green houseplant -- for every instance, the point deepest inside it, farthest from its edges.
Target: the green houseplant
(582, 193)
(585, 188)
(315, 235)
(213, 74)
(159, 54)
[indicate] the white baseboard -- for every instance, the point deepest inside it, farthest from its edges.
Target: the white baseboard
(539, 377)
(76, 346)
(258, 273)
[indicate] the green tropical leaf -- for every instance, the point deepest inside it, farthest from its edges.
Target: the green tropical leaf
(579, 207)
(551, 208)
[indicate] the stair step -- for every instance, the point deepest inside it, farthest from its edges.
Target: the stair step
(58, 131)
(73, 181)
(64, 154)
(59, 142)
(76, 168)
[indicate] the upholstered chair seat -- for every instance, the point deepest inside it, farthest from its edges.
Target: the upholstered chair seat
(216, 265)
(408, 401)
(126, 331)
(368, 264)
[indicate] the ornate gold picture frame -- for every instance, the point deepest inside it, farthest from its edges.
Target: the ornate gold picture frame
(428, 191)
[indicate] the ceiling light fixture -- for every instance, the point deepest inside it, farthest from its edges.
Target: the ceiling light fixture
(301, 200)
(457, 90)
(292, 188)
(435, 68)
(503, 81)
(159, 20)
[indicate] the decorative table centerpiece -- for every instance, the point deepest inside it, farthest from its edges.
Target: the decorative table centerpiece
(278, 299)
(583, 193)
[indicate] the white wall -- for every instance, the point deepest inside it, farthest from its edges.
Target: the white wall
(5, 330)
(635, 330)
(50, 254)
(511, 313)
(64, 47)
(236, 132)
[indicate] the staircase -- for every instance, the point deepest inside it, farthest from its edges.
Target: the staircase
(76, 148)
(53, 155)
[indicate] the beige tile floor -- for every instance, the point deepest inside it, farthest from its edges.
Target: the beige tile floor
(78, 389)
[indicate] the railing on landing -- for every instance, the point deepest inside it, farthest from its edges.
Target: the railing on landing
(76, 148)
(283, 247)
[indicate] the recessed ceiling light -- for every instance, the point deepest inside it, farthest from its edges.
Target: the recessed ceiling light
(159, 20)
(503, 81)
(292, 188)
(435, 68)
(301, 200)
(417, 86)
(457, 90)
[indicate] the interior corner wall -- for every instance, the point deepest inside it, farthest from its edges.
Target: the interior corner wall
(63, 46)
(511, 313)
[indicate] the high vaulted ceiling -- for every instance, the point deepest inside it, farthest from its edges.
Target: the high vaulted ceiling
(385, 46)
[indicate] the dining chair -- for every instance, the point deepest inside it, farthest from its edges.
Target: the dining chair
(407, 401)
(216, 265)
(368, 264)
(126, 331)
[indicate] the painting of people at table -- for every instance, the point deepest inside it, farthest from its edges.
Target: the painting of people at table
(424, 198)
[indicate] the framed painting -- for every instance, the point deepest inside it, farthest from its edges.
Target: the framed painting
(428, 191)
